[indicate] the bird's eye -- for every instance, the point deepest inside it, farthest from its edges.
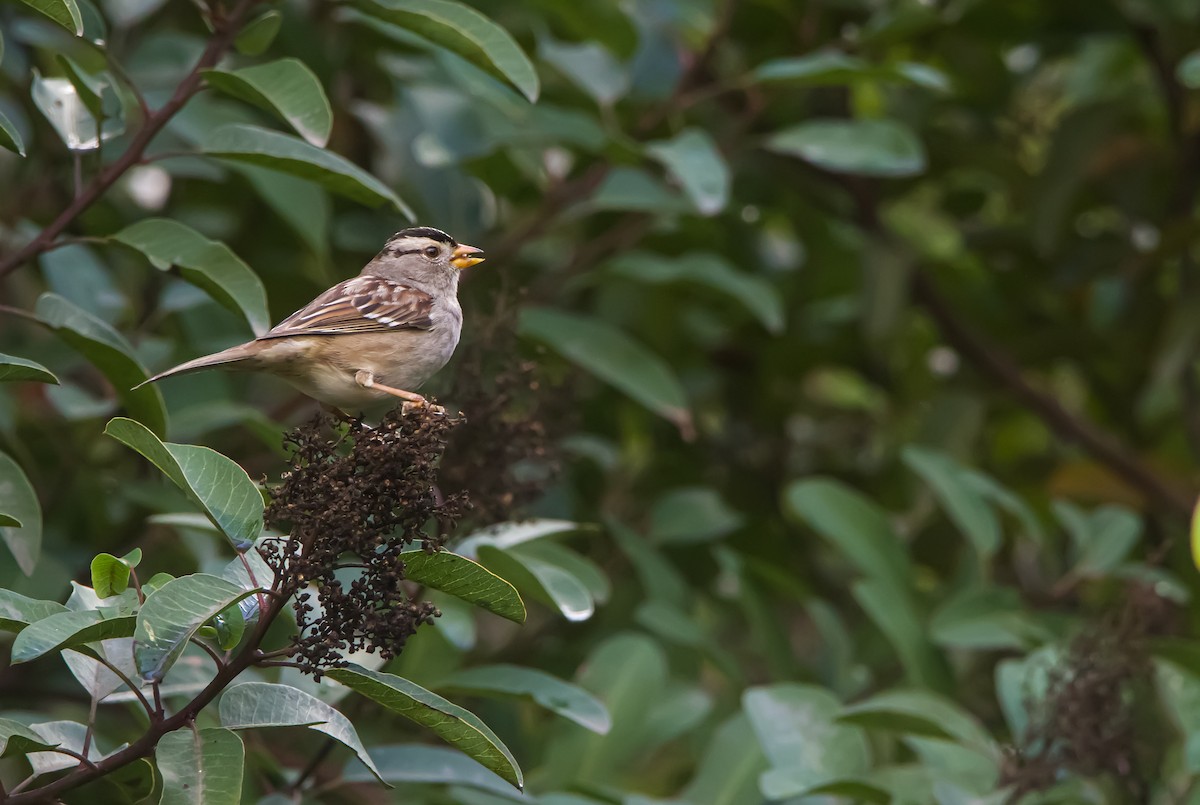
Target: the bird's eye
(431, 252)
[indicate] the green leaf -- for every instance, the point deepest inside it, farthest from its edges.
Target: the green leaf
(547, 582)
(512, 534)
(1195, 535)
(822, 68)
(690, 515)
(1102, 539)
(920, 713)
(64, 12)
(966, 506)
(258, 34)
(612, 356)
(109, 352)
(21, 529)
(67, 629)
(201, 767)
(590, 66)
(463, 30)
(729, 769)
(13, 368)
(417, 763)
(17, 739)
(465, 579)
(807, 748)
(262, 704)
(853, 524)
(89, 89)
(271, 149)
(692, 159)
(756, 294)
(884, 148)
(286, 88)
(207, 264)
(893, 610)
(222, 488)
(10, 138)
(110, 575)
(569, 701)
(1188, 70)
(230, 624)
(172, 614)
(18, 611)
(458, 727)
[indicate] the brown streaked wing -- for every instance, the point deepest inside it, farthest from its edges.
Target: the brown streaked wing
(359, 305)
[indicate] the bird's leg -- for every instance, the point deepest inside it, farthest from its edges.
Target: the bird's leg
(412, 400)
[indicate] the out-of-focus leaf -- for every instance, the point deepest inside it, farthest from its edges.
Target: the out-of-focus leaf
(612, 356)
(465, 579)
(288, 89)
(68, 629)
(203, 767)
(692, 514)
(984, 618)
(463, 30)
(18, 611)
(693, 160)
(544, 581)
(64, 12)
(281, 152)
(263, 704)
(590, 66)
(634, 190)
(884, 148)
(110, 353)
(20, 515)
(1101, 539)
(806, 746)
(1195, 535)
(729, 769)
(458, 727)
(10, 138)
(757, 294)
(302, 205)
(568, 700)
(895, 613)
(18, 739)
(222, 488)
(915, 712)
(173, 613)
(258, 34)
(824, 67)
(61, 104)
(965, 506)
(512, 534)
(13, 368)
(207, 264)
(417, 763)
(853, 524)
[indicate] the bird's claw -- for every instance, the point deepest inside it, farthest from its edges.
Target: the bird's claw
(411, 405)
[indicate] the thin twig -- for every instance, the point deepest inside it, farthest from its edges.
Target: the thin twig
(91, 725)
(209, 651)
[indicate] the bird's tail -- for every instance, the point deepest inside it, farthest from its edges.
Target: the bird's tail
(233, 355)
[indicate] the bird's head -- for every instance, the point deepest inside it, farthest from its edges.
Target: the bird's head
(418, 250)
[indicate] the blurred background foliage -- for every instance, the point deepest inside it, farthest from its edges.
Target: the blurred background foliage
(846, 350)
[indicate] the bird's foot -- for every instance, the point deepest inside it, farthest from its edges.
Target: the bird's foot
(412, 400)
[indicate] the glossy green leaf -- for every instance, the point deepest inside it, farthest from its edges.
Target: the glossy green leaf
(201, 767)
(281, 152)
(18, 739)
(286, 88)
(173, 613)
(110, 575)
(109, 352)
(222, 489)
(569, 701)
(89, 88)
(692, 159)
(262, 704)
(855, 525)
(21, 527)
(10, 138)
(64, 12)
(458, 727)
(207, 264)
(465, 579)
(883, 148)
(807, 748)
(958, 496)
(512, 534)
(18, 611)
(13, 368)
(67, 629)
(544, 581)
(258, 34)
(418, 763)
(756, 294)
(461, 29)
(612, 356)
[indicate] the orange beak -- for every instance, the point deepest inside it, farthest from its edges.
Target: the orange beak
(466, 256)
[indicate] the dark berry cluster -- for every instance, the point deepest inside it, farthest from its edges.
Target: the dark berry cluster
(354, 498)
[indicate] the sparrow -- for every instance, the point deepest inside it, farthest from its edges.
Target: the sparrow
(369, 339)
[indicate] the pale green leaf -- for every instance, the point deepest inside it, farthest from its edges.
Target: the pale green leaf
(692, 159)
(564, 698)
(68, 629)
(173, 613)
(201, 767)
(21, 529)
(883, 148)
